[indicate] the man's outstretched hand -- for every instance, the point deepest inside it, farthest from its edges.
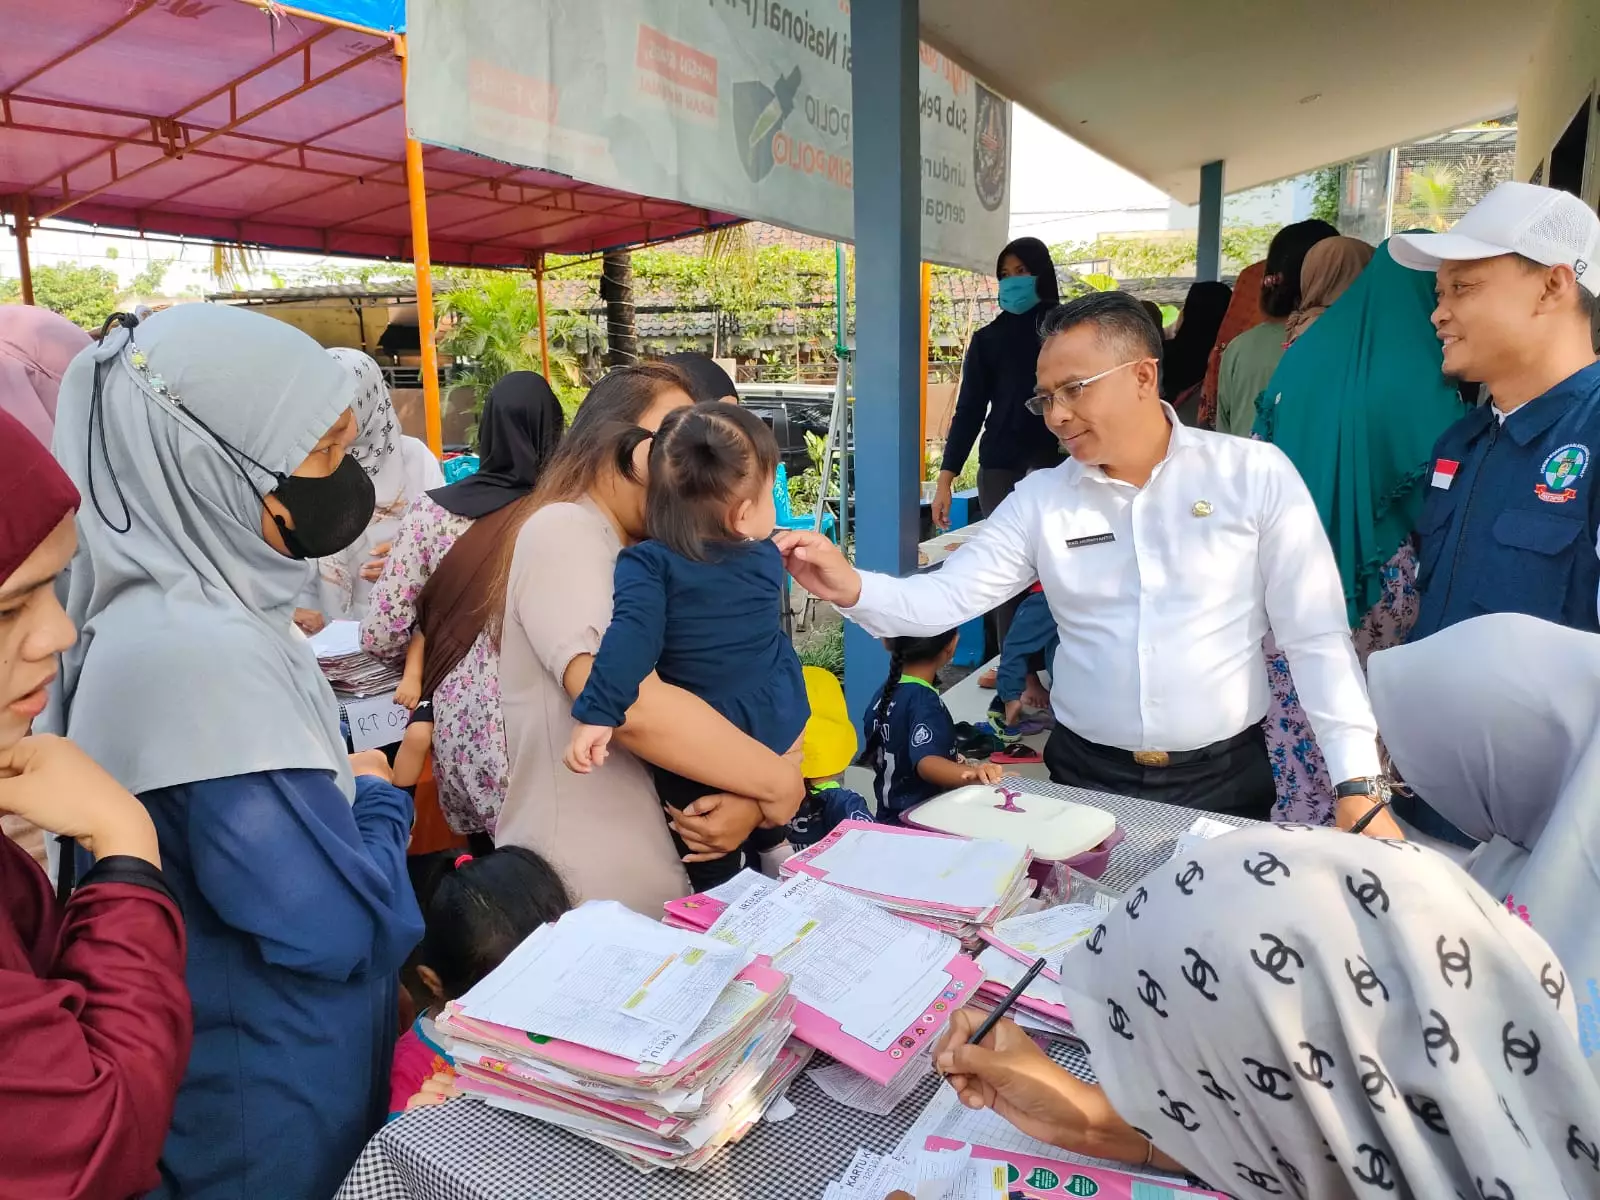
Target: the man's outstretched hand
(819, 566)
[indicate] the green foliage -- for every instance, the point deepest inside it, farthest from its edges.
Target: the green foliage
(1433, 196)
(493, 329)
(803, 487)
(1325, 195)
(148, 281)
(825, 649)
(933, 461)
(1162, 257)
(86, 296)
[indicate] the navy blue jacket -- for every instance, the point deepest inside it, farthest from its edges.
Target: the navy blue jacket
(712, 628)
(996, 381)
(300, 914)
(915, 726)
(1515, 529)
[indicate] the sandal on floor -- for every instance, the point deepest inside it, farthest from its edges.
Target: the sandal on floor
(1019, 753)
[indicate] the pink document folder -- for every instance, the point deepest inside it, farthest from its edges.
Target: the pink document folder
(803, 863)
(1046, 1179)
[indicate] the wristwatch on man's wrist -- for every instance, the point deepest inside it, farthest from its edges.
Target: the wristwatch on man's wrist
(1375, 786)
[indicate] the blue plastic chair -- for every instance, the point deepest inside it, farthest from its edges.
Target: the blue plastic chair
(787, 519)
(459, 467)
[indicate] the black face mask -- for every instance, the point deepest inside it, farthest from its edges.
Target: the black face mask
(329, 513)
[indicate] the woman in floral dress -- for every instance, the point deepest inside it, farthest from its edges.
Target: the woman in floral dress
(1357, 404)
(518, 429)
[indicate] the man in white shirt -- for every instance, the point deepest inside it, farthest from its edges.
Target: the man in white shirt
(1166, 553)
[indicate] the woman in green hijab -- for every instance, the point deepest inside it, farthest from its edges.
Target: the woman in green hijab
(1357, 404)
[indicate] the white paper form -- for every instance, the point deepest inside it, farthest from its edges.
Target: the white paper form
(1051, 933)
(956, 1175)
(958, 872)
(742, 885)
(872, 1177)
(1202, 831)
(947, 1117)
(337, 639)
(682, 991)
(1008, 972)
(853, 962)
(854, 1090)
(571, 979)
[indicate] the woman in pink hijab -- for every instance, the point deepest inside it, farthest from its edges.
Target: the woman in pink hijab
(35, 347)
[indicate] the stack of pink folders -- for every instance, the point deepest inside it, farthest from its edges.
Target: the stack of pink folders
(1012, 946)
(954, 884)
(873, 990)
(662, 1060)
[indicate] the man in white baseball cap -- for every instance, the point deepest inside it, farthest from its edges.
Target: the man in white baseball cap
(1511, 519)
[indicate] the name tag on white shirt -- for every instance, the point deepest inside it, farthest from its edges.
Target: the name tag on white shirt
(1444, 472)
(1093, 539)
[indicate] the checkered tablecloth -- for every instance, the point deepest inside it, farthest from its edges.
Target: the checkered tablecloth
(466, 1150)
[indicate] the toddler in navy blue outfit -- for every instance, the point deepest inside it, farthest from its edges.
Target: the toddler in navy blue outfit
(699, 603)
(910, 736)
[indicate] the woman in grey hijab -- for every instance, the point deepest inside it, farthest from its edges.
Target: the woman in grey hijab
(1495, 721)
(1296, 1012)
(209, 446)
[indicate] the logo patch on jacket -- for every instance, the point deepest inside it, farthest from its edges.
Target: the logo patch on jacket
(1561, 470)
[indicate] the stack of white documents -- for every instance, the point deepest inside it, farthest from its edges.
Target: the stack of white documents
(659, 1044)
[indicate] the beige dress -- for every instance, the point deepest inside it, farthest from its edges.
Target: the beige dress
(604, 832)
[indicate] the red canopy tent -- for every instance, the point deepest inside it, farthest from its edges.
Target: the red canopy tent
(250, 121)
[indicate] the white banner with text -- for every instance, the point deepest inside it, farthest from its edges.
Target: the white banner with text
(738, 106)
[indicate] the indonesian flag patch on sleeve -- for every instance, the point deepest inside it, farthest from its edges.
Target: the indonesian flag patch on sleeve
(1444, 472)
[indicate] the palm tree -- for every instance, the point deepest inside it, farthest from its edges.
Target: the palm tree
(1433, 195)
(493, 325)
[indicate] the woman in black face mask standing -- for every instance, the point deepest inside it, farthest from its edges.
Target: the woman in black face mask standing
(209, 445)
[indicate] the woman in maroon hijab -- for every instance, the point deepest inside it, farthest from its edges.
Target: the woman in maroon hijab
(94, 1018)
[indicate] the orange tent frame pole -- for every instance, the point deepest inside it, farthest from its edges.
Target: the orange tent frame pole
(417, 189)
(24, 267)
(927, 297)
(544, 329)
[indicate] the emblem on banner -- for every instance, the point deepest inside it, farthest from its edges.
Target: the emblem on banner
(1563, 468)
(991, 147)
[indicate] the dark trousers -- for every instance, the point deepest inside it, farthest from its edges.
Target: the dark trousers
(1232, 776)
(703, 876)
(994, 485)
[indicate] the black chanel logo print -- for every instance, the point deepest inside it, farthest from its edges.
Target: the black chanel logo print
(1524, 1050)
(1191, 874)
(1455, 962)
(1199, 974)
(1266, 1079)
(1366, 980)
(1278, 958)
(1438, 1037)
(1375, 1171)
(1318, 1063)
(1554, 988)
(1368, 894)
(1119, 1021)
(1153, 994)
(1267, 865)
(1177, 1110)
(1427, 1111)
(1375, 1081)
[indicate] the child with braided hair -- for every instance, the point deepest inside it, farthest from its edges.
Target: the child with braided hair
(910, 736)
